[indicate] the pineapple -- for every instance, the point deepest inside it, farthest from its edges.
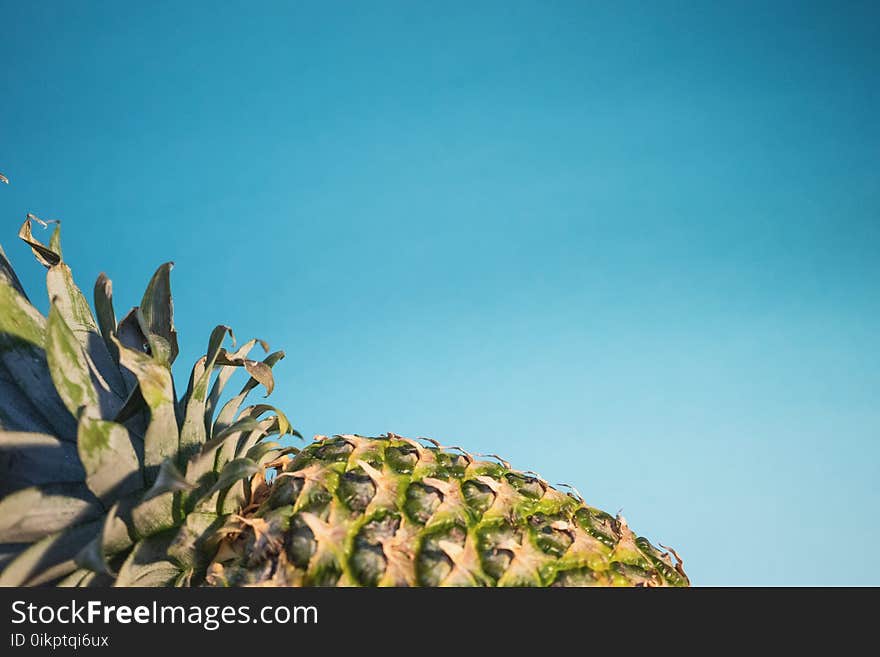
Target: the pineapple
(110, 477)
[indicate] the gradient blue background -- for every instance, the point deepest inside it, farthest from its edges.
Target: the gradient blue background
(634, 247)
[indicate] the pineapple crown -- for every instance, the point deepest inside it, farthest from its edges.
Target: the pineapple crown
(108, 475)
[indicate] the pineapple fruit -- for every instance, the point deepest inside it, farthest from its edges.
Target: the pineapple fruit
(108, 477)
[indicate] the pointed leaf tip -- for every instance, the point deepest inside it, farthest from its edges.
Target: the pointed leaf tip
(261, 372)
(94, 555)
(156, 315)
(169, 480)
(45, 255)
(106, 315)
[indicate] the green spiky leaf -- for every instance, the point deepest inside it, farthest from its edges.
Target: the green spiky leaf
(49, 558)
(29, 458)
(224, 374)
(235, 470)
(74, 308)
(191, 542)
(8, 275)
(193, 433)
(105, 314)
(147, 565)
(110, 461)
(157, 389)
(230, 409)
(31, 513)
(155, 316)
(18, 318)
(154, 515)
(68, 367)
(112, 539)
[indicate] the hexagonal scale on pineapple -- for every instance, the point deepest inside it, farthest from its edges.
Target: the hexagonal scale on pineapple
(421, 501)
(356, 489)
(552, 535)
(433, 563)
(368, 559)
(401, 458)
(478, 495)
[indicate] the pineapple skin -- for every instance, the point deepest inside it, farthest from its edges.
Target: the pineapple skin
(390, 511)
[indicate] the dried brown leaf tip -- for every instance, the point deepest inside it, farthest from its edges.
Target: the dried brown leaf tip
(679, 563)
(4, 179)
(45, 224)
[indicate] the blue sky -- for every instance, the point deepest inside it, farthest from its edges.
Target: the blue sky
(632, 246)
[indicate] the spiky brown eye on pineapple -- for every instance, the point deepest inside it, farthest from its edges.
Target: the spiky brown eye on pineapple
(111, 477)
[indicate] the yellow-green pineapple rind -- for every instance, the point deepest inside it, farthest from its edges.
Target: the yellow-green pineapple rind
(389, 511)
